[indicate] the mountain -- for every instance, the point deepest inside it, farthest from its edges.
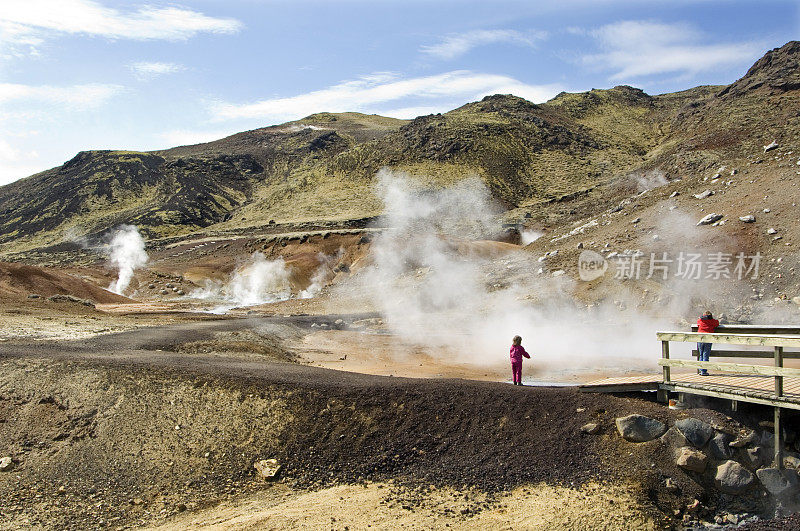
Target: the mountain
(322, 167)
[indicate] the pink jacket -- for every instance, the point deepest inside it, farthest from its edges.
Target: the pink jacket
(517, 352)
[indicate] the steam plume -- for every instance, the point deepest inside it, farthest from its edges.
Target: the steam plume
(126, 252)
(469, 307)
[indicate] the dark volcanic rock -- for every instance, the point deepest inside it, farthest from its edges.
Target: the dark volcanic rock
(719, 446)
(638, 428)
(696, 431)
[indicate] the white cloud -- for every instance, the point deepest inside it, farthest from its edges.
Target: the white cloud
(455, 45)
(25, 24)
(74, 97)
(371, 94)
(148, 70)
(187, 137)
(636, 48)
(16, 163)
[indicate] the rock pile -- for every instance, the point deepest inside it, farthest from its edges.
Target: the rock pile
(735, 465)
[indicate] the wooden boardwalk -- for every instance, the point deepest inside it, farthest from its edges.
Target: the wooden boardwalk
(747, 388)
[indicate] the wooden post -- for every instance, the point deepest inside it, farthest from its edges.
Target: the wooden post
(778, 394)
(663, 395)
(779, 379)
(778, 445)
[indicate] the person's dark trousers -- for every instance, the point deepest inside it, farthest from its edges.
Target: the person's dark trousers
(703, 351)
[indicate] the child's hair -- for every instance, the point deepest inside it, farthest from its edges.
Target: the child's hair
(708, 314)
(517, 340)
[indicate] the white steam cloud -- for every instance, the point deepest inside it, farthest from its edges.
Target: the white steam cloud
(468, 306)
(126, 252)
(259, 281)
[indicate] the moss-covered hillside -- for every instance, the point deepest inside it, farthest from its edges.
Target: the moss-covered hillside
(323, 166)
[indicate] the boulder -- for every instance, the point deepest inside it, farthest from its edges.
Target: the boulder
(709, 219)
(733, 478)
(674, 438)
(755, 457)
(267, 468)
(592, 428)
(776, 481)
(696, 431)
(744, 440)
(691, 459)
(638, 428)
(719, 446)
(748, 218)
(6, 464)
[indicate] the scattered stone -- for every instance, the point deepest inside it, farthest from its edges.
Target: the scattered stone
(791, 461)
(772, 145)
(61, 490)
(709, 219)
(774, 480)
(267, 468)
(59, 297)
(674, 194)
(754, 457)
(151, 286)
(181, 292)
(34, 296)
(580, 245)
(656, 237)
(748, 218)
(766, 211)
(674, 438)
(703, 195)
(170, 285)
(771, 231)
(691, 459)
(670, 485)
(636, 220)
(719, 446)
(558, 273)
(733, 478)
(696, 431)
(163, 292)
(6, 464)
(592, 428)
(638, 428)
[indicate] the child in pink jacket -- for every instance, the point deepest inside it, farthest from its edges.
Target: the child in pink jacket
(517, 353)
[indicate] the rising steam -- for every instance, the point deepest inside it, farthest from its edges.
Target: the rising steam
(469, 307)
(126, 252)
(258, 281)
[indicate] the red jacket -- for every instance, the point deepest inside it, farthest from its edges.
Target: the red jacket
(707, 326)
(517, 352)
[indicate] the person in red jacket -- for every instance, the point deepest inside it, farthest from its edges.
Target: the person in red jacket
(517, 353)
(705, 325)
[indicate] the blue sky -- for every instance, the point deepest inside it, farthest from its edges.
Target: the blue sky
(103, 74)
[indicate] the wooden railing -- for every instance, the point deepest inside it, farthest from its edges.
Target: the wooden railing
(724, 336)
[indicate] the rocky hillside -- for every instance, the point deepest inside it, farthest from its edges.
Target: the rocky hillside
(537, 159)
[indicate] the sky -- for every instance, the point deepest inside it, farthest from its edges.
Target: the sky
(104, 74)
